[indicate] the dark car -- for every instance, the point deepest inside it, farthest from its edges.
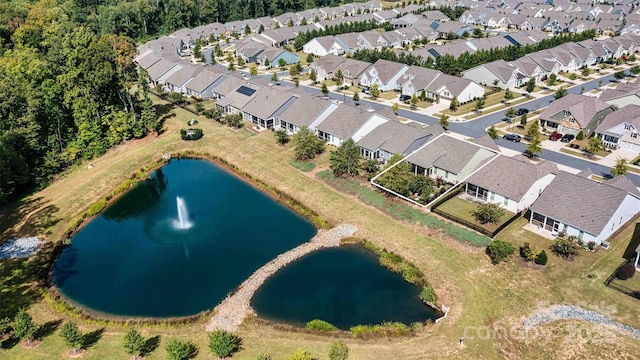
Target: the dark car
(522, 111)
(567, 138)
(404, 97)
(512, 137)
(555, 136)
(365, 89)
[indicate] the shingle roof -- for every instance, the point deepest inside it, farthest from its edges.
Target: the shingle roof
(304, 110)
(582, 108)
(622, 89)
(237, 99)
(344, 121)
(203, 80)
(511, 177)
(396, 137)
(487, 141)
(623, 183)
(387, 69)
(147, 59)
(445, 152)
(228, 85)
(266, 102)
(160, 68)
(579, 202)
(629, 114)
(183, 75)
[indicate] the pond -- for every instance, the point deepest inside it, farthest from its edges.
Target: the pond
(176, 244)
(344, 286)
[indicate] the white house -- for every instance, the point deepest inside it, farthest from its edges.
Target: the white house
(514, 183)
(504, 74)
(322, 46)
(620, 128)
(385, 73)
(346, 122)
(306, 111)
(580, 206)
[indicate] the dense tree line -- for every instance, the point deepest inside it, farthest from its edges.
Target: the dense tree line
(454, 66)
(64, 94)
(343, 28)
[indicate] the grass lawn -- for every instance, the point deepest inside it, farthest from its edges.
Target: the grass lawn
(493, 99)
(584, 143)
(302, 165)
(480, 295)
(462, 209)
(389, 95)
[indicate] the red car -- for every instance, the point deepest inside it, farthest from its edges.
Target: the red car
(555, 136)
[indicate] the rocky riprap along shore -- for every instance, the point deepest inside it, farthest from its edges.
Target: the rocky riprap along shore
(231, 312)
(570, 312)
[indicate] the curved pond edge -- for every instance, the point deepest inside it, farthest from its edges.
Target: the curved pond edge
(394, 263)
(59, 302)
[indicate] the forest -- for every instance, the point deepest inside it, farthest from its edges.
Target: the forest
(67, 74)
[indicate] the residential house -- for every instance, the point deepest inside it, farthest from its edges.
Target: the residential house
(620, 128)
(201, 86)
(347, 122)
(146, 59)
(384, 73)
(352, 70)
(161, 70)
(435, 15)
(272, 56)
(622, 95)
(533, 23)
(452, 28)
(234, 101)
(574, 113)
(449, 158)
(266, 105)
(348, 42)
(514, 183)
(306, 111)
(394, 137)
(579, 206)
(178, 80)
(226, 86)
(499, 73)
(322, 46)
(326, 66)
(368, 40)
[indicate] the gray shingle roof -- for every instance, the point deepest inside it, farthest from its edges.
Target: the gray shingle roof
(623, 183)
(511, 177)
(579, 202)
(396, 137)
(582, 108)
(447, 153)
(344, 121)
(183, 75)
(160, 68)
(203, 80)
(266, 102)
(306, 109)
(387, 69)
(629, 114)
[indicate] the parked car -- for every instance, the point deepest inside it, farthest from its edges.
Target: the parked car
(555, 136)
(404, 97)
(529, 154)
(567, 138)
(512, 137)
(365, 89)
(522, 111)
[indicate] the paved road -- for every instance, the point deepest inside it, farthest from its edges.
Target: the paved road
(477, 127)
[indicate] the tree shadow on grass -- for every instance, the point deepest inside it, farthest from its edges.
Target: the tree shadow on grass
(47, 329)
(193, 351)
(91, 338)
(150, 345)
(9, 342)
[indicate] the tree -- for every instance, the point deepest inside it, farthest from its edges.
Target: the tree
(338, 78)
(134, 343)
(423, 95)
(338, 351)
(356, 97)
(453, 106)
(253, 70)
(444, 120)
(635, 70)
(261, 29)
(345, 160)
(293, 71)
(274, 77)
(313, 76)
(71, 335)
(508, 95)
(626, 271)
(413, 101)
(531, 85)
(488, 213)
(282, 63)
(306, 144)
(620, 75)
(620, 168)
(573, 76)
(374, 90)
(282, 137)
(585, 71)
(560, 93)
(309, 58)
(480, 104)
(553, 79)
(523, 120)
(580, 135)
(492, 132)
(510, 114)
(301, 355)
(296, 82)
(535, 142)
(566, 246)
(595, 145)
(180, 350)
(324, 89)
(23, 326)
(395, 108)
(223, 343)
(499, 251)
(247, 30)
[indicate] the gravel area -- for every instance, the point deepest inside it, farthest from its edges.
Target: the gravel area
(570, 312)
(19, 248)
(232, 310)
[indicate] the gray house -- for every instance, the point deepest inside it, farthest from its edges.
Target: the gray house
(306, 111)
(574, 113)
(202, 85)
(394, 137)
(266, 105)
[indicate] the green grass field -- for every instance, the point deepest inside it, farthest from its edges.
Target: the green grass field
(480, 295)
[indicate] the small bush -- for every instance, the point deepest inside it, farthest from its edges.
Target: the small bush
(591, 245)
(580, 136)
(191, 134)
(427, 295)
(320, 325)
(566, 246)
(626, 271)
(391, 261)
(338, 351)
(499, 251)
(488, 213)
(223, 343)
(301, 355)
(541, 258)
(96, 207)
(5, 326)
(263, 356)
(526, 252)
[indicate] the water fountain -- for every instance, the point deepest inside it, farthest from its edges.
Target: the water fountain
(182, 223)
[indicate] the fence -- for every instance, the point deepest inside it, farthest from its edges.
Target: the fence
(623, 289)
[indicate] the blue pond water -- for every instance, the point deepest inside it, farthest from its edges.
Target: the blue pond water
(133, 260)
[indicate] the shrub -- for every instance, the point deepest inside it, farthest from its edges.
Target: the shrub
(541, 258)
(263, 356)
(391, 261)
(526, 252)
(488, 213)
(427, 295)
(320, 325)
(23, 326)
(191, 134)
(223, 343)
(411, 274)
(566, 246)
(180, 350)
(626, 271)
(580, 135)
(338, 351)
(301, 355)
(5, 326)
(499, 250)
(591, 245)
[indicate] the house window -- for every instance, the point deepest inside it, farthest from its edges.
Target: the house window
(627, 127)
(634, 135)
(505, 202)
(446, 174)
(493, 195)
(580, 234)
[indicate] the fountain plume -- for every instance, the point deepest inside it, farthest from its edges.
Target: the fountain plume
(182, 223)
